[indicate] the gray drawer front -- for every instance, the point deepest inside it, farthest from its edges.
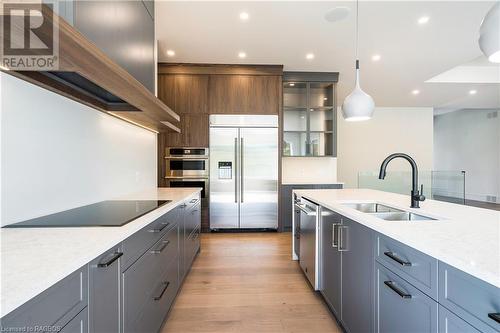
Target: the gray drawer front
(193, 218)
(469, 298)
(397, 314)
(138, 243)
(141, 280)
(79, 324)
(193, 245)
(451, 323)
(53, 307)
(154, 301)
(417, 268)
(104, 292)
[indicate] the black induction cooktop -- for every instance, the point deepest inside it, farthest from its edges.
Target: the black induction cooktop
(110, 213)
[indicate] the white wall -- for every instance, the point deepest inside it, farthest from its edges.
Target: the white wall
(309, 170)
(58, 154)
(364, 145)
(469, 140)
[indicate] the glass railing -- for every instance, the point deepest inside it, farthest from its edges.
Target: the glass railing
(439, 185)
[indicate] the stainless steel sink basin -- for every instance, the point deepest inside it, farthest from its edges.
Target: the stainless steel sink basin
(371, 207)
(402, 216)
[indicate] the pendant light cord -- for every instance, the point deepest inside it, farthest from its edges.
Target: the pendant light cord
(357, 33)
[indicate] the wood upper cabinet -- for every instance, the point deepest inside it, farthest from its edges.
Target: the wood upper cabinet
(186, 94)
(244, 94)
(194, 132)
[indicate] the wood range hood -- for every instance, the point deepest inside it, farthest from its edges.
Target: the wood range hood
(87, 75)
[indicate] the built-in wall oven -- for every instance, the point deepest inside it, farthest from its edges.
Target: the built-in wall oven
(188, 167)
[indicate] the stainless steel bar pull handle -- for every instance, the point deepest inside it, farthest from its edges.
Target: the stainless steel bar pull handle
(343, 238)
(242, 177)
(334, 236)
(109, 261)
(157, 230)
(397, 259)
(235, 170)
(161, 247)
(398, 291)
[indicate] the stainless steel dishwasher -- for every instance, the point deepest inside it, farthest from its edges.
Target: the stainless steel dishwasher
(308, 257)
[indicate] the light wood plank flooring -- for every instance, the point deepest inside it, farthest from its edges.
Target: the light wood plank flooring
(247, 282)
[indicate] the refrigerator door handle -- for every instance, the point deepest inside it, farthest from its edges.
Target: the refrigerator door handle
(236, 170)
(242, 179)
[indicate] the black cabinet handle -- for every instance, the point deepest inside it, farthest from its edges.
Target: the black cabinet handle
(495, 317)
(110, 260)
(397, 259)
(163, 226)
(160, 248)
(163, 287)
(398, 291)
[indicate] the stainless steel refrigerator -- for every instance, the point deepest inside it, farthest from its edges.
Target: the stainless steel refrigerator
(243, 172)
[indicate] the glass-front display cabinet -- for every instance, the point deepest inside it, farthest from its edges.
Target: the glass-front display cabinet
(309, 114)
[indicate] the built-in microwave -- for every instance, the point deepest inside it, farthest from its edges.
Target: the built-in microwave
(186, 162)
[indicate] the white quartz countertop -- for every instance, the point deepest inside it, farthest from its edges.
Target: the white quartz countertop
(33, 259)
(467, 238)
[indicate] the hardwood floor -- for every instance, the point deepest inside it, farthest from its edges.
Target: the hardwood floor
(247, 282)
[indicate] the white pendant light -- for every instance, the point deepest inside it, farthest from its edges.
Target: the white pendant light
(489, 34)
(358, 105)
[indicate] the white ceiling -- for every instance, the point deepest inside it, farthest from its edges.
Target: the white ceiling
(284, 32)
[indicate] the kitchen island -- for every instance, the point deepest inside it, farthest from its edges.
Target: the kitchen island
(35, 261)
(455, 260)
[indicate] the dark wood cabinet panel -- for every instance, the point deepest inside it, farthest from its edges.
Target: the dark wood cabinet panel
(191, 94)
(194, 132)
(166, 90)
(244, 94)
(187, 94)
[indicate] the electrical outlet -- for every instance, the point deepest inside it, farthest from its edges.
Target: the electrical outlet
(491, 198)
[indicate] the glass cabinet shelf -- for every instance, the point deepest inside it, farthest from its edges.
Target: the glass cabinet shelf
(309, 118)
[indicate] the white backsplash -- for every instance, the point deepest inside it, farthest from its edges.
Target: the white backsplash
(309, 170)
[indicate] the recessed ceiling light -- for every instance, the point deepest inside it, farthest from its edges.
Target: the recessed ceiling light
(376, 57)
(242, 55)
(170, 53)
(292, 84)
(472, 92)
(423, 20)
(244, 16)
(415, 92)
(310, 56)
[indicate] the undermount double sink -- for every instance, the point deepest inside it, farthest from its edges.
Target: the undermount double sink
(386, 212)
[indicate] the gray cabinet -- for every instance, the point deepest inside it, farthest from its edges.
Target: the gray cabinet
(54, 307)
(356, 243)
(104, 292)
(79, 324)
(123, 30)
(331, 261)
(414, 266)
(401, 307)
(286, 200)
(130, 288)
(451, 323)
(472, 299)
